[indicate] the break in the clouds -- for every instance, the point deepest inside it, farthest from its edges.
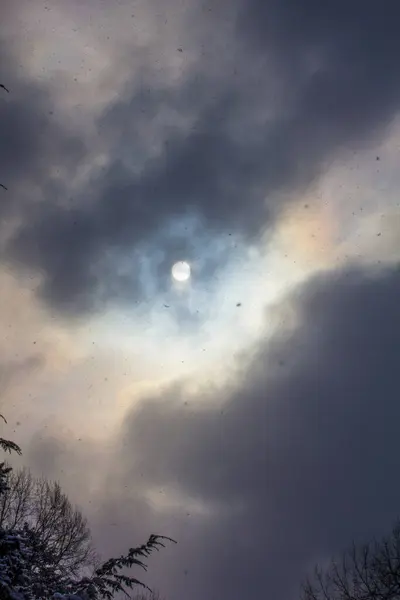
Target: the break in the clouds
(250, 122)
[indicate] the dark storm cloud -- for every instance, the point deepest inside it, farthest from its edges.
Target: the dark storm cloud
(339, 59)
(32, 138)
(303, 455)
(333, 75)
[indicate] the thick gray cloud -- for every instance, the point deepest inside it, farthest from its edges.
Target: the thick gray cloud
(303, 455)
(331, 83)
(32, 138)
(339, 56)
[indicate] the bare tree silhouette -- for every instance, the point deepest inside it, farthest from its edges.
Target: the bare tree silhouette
(61, 528)
(28, 561)
(366, 572)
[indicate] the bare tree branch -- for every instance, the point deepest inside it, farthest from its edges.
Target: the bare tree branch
(61, 529)
(366, 572)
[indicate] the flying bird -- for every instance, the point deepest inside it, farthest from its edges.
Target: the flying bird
(166, 305)
(3, 186)
(4, 88)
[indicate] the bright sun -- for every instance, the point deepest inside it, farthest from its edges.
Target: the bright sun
(181, 271)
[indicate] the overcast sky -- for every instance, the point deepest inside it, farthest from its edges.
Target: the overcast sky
(252, 412)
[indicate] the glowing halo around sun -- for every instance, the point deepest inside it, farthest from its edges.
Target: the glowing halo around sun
(181, 271)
